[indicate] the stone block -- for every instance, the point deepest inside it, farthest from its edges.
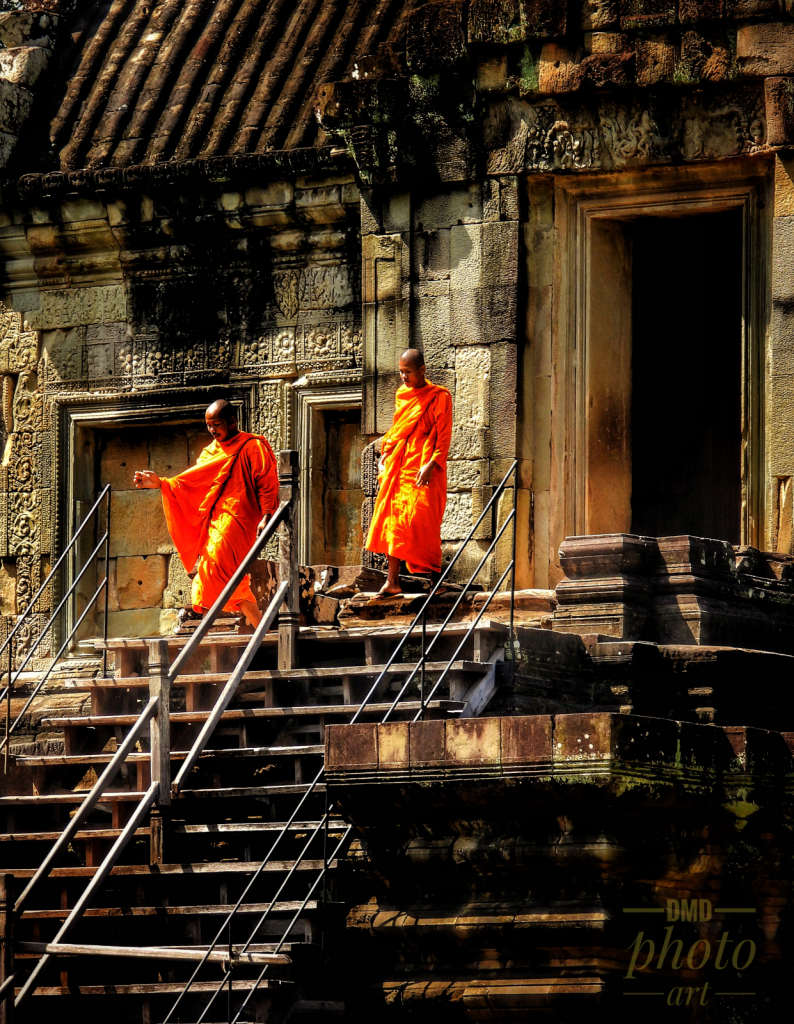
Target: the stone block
(753, 8)
(356, 745)
(120, 459)
(600, 15)
(783, 260)
(779, 101)
(431, 330)
(469, 443)
(705, 59)
(277, 193)
(113, 593)
(784, 182)
(179, 587)
(605, 42)
(473, 741)
(458, 205)
(527, 739)
(457, 519)
(466, 475)
(427, 744)
(78, 307)
(140, 581)
(142, 622)
(472, 392)
(138, 524)
(168, 453)
(8, 589)
(28, 28)
(700, 10)
(647, 13)
(765, 49)
(436, 37)
(15, 105)
(62, 353)
(197, 441)
(23, 65)
(655, 60)
(559, 70)
(504, 379)
(394, 745)
(544, 18)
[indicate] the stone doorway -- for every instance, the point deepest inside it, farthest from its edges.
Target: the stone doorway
(336, 492)
(686, 371)
(658, 356)
(148, 583)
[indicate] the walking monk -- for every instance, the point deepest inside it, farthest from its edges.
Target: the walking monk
(412, 475)
(215, 509)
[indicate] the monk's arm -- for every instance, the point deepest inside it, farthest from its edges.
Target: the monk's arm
(443, 430)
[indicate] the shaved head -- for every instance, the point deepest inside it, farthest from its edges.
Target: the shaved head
(221, 410)
(413, 357)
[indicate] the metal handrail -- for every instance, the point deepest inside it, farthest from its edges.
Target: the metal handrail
(423, 610)
(229, 689)
(96, 882)
(93, 798)
(511, 517)
(55, 568)
(223, 598)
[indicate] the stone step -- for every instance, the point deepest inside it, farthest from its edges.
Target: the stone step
(236, 714)
(149, 988)
(176, 755)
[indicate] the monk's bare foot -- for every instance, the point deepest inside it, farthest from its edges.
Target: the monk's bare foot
(390, 590)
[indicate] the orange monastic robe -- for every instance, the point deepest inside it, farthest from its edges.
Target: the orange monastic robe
(213, 510)
(406, 522)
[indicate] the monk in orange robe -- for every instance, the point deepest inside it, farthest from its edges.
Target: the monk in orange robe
(216, 509)
(412, 475)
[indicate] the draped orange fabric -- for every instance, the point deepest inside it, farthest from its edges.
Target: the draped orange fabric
(406, 522)
(213, 509)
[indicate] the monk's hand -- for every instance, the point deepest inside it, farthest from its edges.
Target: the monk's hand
(382, 465)
(424, 474)
(146, 478)
(263, 524)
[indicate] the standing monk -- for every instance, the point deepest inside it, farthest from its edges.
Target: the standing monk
(216, 509)
(412, 475)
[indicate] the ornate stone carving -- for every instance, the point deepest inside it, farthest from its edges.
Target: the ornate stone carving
(18, 347)
(268, 414)
(24, 533)
(285, 287)
(78, 307)
(27, 403)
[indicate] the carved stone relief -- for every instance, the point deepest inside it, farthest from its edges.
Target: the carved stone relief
(311, 288)
(554, 135)
(303, 349)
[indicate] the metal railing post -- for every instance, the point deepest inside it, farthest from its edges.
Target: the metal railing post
(7, 949)
(289, 618)
(107, 586)
(160, 687)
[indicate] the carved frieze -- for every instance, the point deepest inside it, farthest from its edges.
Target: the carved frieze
(305, 348)
(557, 135)
(300, 289)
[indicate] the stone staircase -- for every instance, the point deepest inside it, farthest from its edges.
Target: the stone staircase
(189, 864)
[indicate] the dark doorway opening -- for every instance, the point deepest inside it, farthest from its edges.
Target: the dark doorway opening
(686, 376)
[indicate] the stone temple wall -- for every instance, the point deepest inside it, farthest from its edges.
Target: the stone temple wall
(125, 312)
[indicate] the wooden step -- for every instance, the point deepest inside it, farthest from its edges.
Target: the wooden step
(235, 714)
(276, 675)
(219, 909)
(199, 868)
(148, 989)
(77, 798)
(327, 635)
(221, 827)
(176, 755)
